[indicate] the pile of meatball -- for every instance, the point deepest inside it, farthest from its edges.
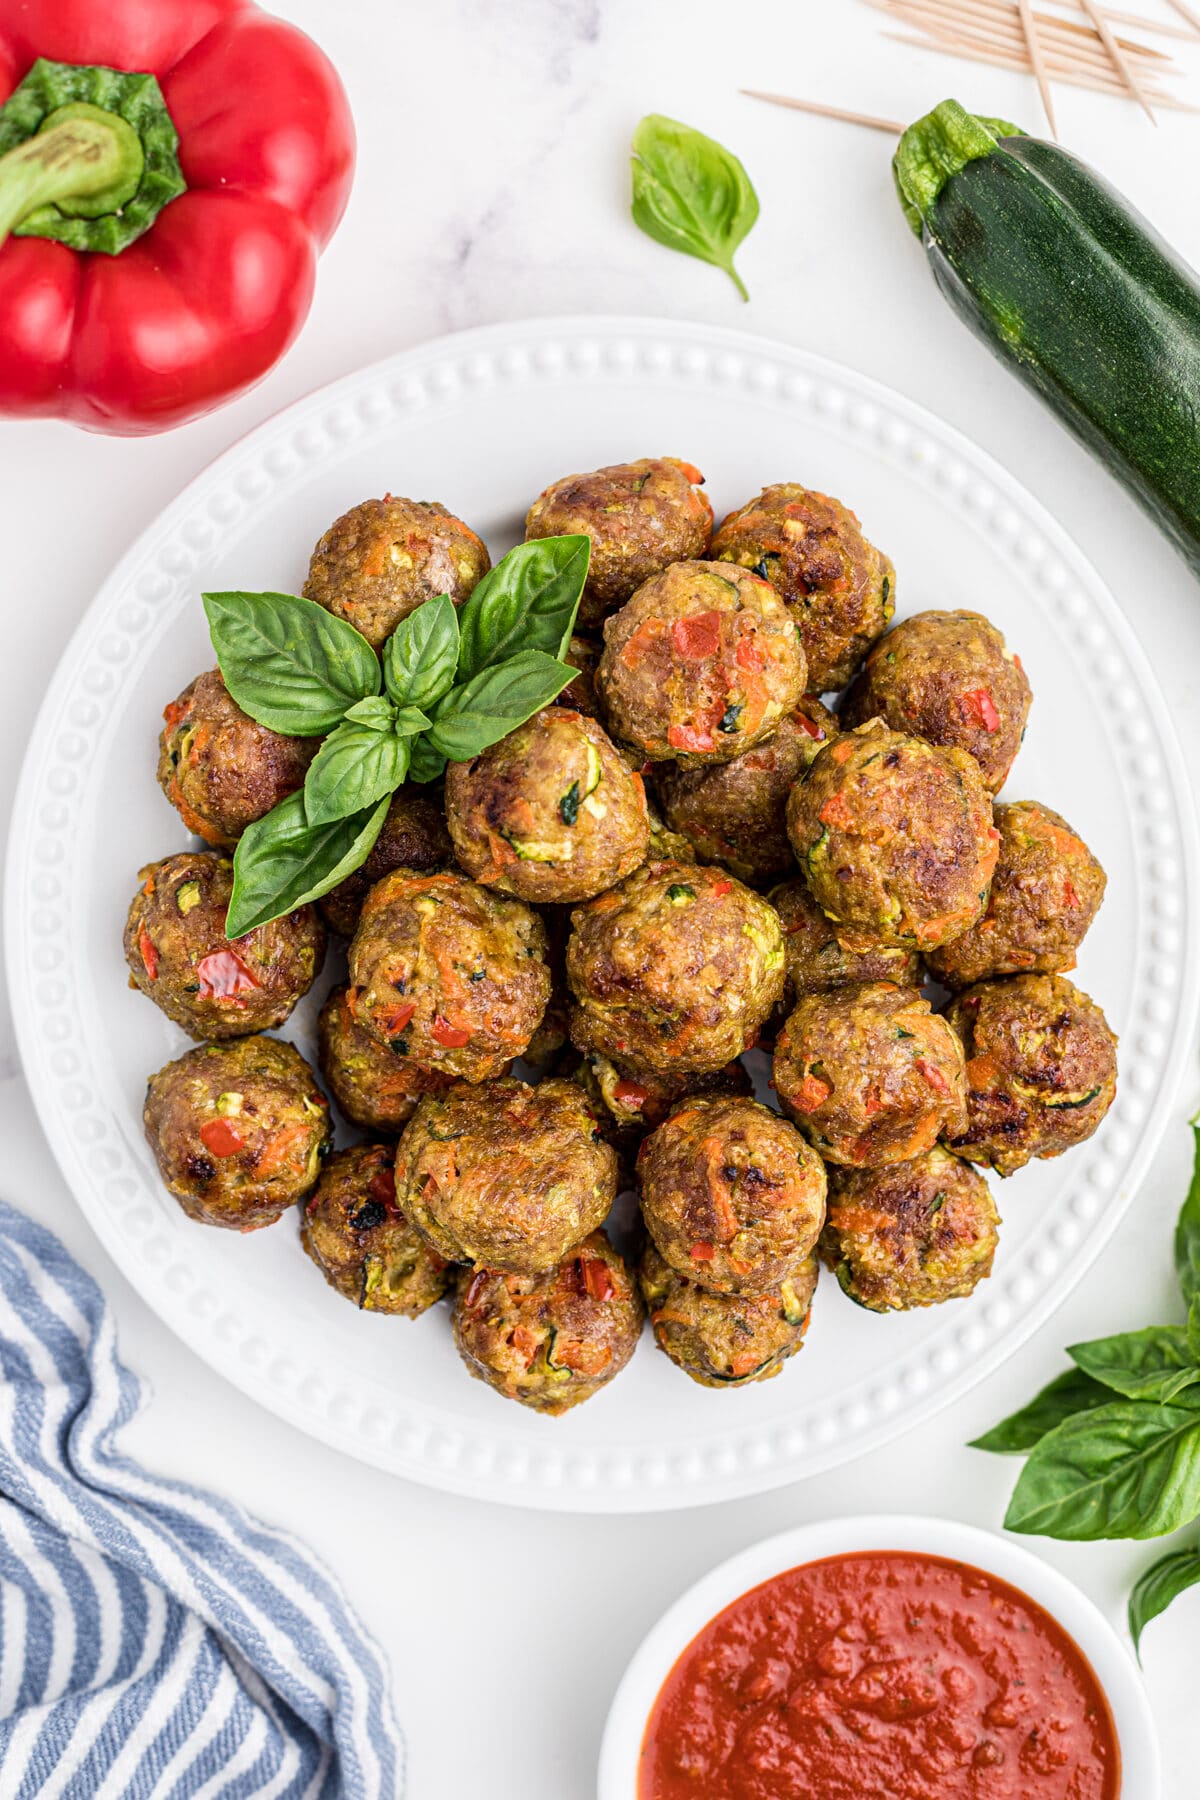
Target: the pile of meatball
(688, 856)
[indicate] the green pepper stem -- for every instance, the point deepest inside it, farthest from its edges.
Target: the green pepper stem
(83, 160)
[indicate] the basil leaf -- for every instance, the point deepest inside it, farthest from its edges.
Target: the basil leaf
(282, 861)
(354, 768)
(691, 194)
(1193, 1328)
(1127, 1470)
(409, 720)
(1154, 1364)
(482, 711)
(1187, 1231)
(427, 763)
(1069, 1393)
(375, 711)
(291, 665)
(527, 602)
(421, 655)
(1157, 1586)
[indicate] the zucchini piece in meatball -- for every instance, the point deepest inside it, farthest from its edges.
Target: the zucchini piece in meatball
(384, 558)
(213, 986)
(895, 838)
(947, 677)
(1045, 892)
(870, 1074)
(505, 1176)
(735, 813)
(731, 1194)
(219, 769)
(816, 962)
(840, 590)
(1041, 1069)
(726, 1340)
(700, 664)
(362, 1243)
(413, 836)
(550, 813)
(447, 974)
(913, 1234)
(238, 1131)
(552, 1340)
(376, 1090)
(675, 970)
(640, 516)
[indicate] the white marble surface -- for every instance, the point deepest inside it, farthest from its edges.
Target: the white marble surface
(493, 185)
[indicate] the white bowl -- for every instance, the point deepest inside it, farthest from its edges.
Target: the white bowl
(1141, 1771)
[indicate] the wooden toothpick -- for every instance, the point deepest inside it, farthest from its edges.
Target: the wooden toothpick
(1120, 61)
(1033, 44)
(826, 112)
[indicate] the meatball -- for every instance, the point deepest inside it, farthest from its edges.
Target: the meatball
(447, 974)
(912, 1234)
(869, 1074)
(640, 516)
(948, 678)
(816, 963)
(839, 589)
(384, 558)
(413, 836)
(579, 695)
(1045, 893)
(726, 1340)
(219, 769)
(675, 969)
(238, 1131)
(735, 813)
(551, 1340)
(376, 1090)
(895, 837)
(361, 1241)
(1041, 1069)
(211, 985)
(731, 1194)
(701, 664)
(550, 813)
(506, 1176)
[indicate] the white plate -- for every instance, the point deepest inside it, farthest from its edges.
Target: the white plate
(1141, 1774)
(483, 421)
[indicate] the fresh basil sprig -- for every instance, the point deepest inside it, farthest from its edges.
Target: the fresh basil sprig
(691, 194)
(282, 861)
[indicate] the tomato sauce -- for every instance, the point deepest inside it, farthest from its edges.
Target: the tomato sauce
(883, 1674)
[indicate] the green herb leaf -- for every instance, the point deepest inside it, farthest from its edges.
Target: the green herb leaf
(375, 711)
(1128, 1470)
(1069, 1393)
(1187, 1231)
(282, 861)
(421, 655)
(1154, 1364)
(527, 602)
(409, 720)
(355, 767)
(1193, 1328)
(1157, 1586)
(691, 194)
(427, 764)
(291, 665)
(485, 709)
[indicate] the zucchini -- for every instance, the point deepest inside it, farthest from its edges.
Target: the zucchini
(1072, 288)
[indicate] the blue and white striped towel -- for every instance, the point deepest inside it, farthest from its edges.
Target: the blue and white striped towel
(155, 1640)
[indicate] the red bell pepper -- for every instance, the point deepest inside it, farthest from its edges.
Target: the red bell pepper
(169, 172)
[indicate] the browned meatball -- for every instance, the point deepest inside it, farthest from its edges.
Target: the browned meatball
(735, 813)
(869, 1074)
(640, 516)
(816, 962)
(580, 695)
(413, 836)
(506, 1176)
(1041, 1069)
(1045, 893)
(375, 1089)
(726, 1340)
(701, 664)
(947, 677)
(212, 986)
(913, 1234)
(895, 837)
(220, 770)
(551, 813)
(731, 1194)
(238, 1131)
(448, 974)
(361, 1241)
(552, 1340)
(384, 558)
(840, 590)
(675, 969)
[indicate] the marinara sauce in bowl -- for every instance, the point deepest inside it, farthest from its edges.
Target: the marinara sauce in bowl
(913, 1658)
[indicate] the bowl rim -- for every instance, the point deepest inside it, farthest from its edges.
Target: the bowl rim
(997, 1554)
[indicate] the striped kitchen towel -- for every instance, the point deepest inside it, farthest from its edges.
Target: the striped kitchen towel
(155, 1640)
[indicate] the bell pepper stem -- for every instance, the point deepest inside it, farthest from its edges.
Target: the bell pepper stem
(84, 161)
